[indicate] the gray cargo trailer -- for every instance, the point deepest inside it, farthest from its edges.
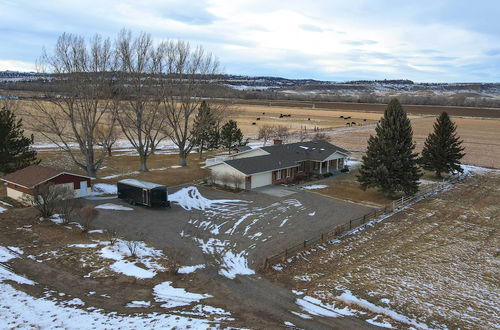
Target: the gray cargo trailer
(142, 192)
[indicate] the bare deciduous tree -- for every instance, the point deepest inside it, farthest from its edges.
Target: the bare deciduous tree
(107, 137)
(281, 132)
(81, 72)
(187, 71)
(266, 132)
(140, 114)
(321, 136)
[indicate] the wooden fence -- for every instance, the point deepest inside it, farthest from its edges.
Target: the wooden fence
(338, 230)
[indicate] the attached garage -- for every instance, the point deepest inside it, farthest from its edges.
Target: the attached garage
(261, 179)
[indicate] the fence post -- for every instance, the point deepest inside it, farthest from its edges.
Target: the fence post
(286, 254)
(350, 224)
(266, 263)
(305, 242)
(322, 237)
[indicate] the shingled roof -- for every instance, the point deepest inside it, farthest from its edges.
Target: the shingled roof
(285, 155)
(31, 176)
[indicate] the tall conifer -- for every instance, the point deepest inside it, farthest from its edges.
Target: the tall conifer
(15, 149)
(390, 163)
(443, 148)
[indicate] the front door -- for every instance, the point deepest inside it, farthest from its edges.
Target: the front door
(248, 182)
(145, 197)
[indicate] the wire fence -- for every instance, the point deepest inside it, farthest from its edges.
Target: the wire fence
(338, 230)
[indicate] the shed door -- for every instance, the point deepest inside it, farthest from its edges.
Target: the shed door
(145, 196)
(83, 188)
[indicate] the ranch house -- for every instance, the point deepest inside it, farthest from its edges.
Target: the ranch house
(22, 182)
(276, 164)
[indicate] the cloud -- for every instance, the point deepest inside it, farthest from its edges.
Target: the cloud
(310, 27)
(322, 39)
(15, 65)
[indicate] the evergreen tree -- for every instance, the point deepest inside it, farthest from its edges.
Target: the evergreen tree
(204, 128)
(390, 163)
(442, 149)
(231, 136)
(15, 149)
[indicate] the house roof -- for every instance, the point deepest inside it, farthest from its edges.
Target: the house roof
(33, 175)
(285, 155)
(243, 148)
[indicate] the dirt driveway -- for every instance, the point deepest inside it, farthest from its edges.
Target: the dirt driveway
(231, 234)
(251, 223)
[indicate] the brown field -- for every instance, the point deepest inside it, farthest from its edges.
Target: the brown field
(370, 107)
(481, 139)
(435, 262)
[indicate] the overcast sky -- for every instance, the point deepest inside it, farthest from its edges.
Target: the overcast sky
(431, 41)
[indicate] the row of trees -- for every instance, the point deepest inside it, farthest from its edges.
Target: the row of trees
(390, 163)
(151, 91)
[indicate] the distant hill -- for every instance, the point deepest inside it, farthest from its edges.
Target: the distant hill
(277, 88)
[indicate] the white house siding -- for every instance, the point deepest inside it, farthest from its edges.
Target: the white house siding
(251, 153)
(335, 155)
(261, 179)
(15, 194)
(222, 169)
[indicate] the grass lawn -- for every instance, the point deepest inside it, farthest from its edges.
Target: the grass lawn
(347, 187)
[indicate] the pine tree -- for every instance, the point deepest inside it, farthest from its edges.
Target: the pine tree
(390, 163)
(442, 149)
(204, 128)
(231, 136)
(15, 149)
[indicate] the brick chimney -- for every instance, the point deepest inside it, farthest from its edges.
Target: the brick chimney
(277, 141)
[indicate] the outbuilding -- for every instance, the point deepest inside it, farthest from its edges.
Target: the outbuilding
(22, 183)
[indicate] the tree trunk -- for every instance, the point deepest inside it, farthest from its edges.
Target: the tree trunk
(182, 158)
(144, 167)
(438, 175)
(109, 151)
(91, 171)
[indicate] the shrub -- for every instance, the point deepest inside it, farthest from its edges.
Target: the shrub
(326, 175)
(89, 214)
(345, 169)
(47, 197)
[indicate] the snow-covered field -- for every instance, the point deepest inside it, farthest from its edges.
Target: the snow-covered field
(20, 310)
(432, 265)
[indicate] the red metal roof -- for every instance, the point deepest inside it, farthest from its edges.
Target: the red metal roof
(34, 175)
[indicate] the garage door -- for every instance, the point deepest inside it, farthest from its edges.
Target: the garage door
(263, 179)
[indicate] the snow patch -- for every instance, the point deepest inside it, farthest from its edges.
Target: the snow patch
(175, 297)
(138, 304)
(189, 198)
(190, 269)
(45, 313)
(315, 186)
(111, 206)
(348, 298)
(104, 189)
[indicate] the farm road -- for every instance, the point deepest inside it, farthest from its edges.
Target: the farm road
(242, 229)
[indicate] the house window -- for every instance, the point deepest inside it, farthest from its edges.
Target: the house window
(288, 172)
(301, 167)
(278, 175)
(316, 165)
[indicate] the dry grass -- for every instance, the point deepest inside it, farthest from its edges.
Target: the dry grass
(436, 261)
(126, 164)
